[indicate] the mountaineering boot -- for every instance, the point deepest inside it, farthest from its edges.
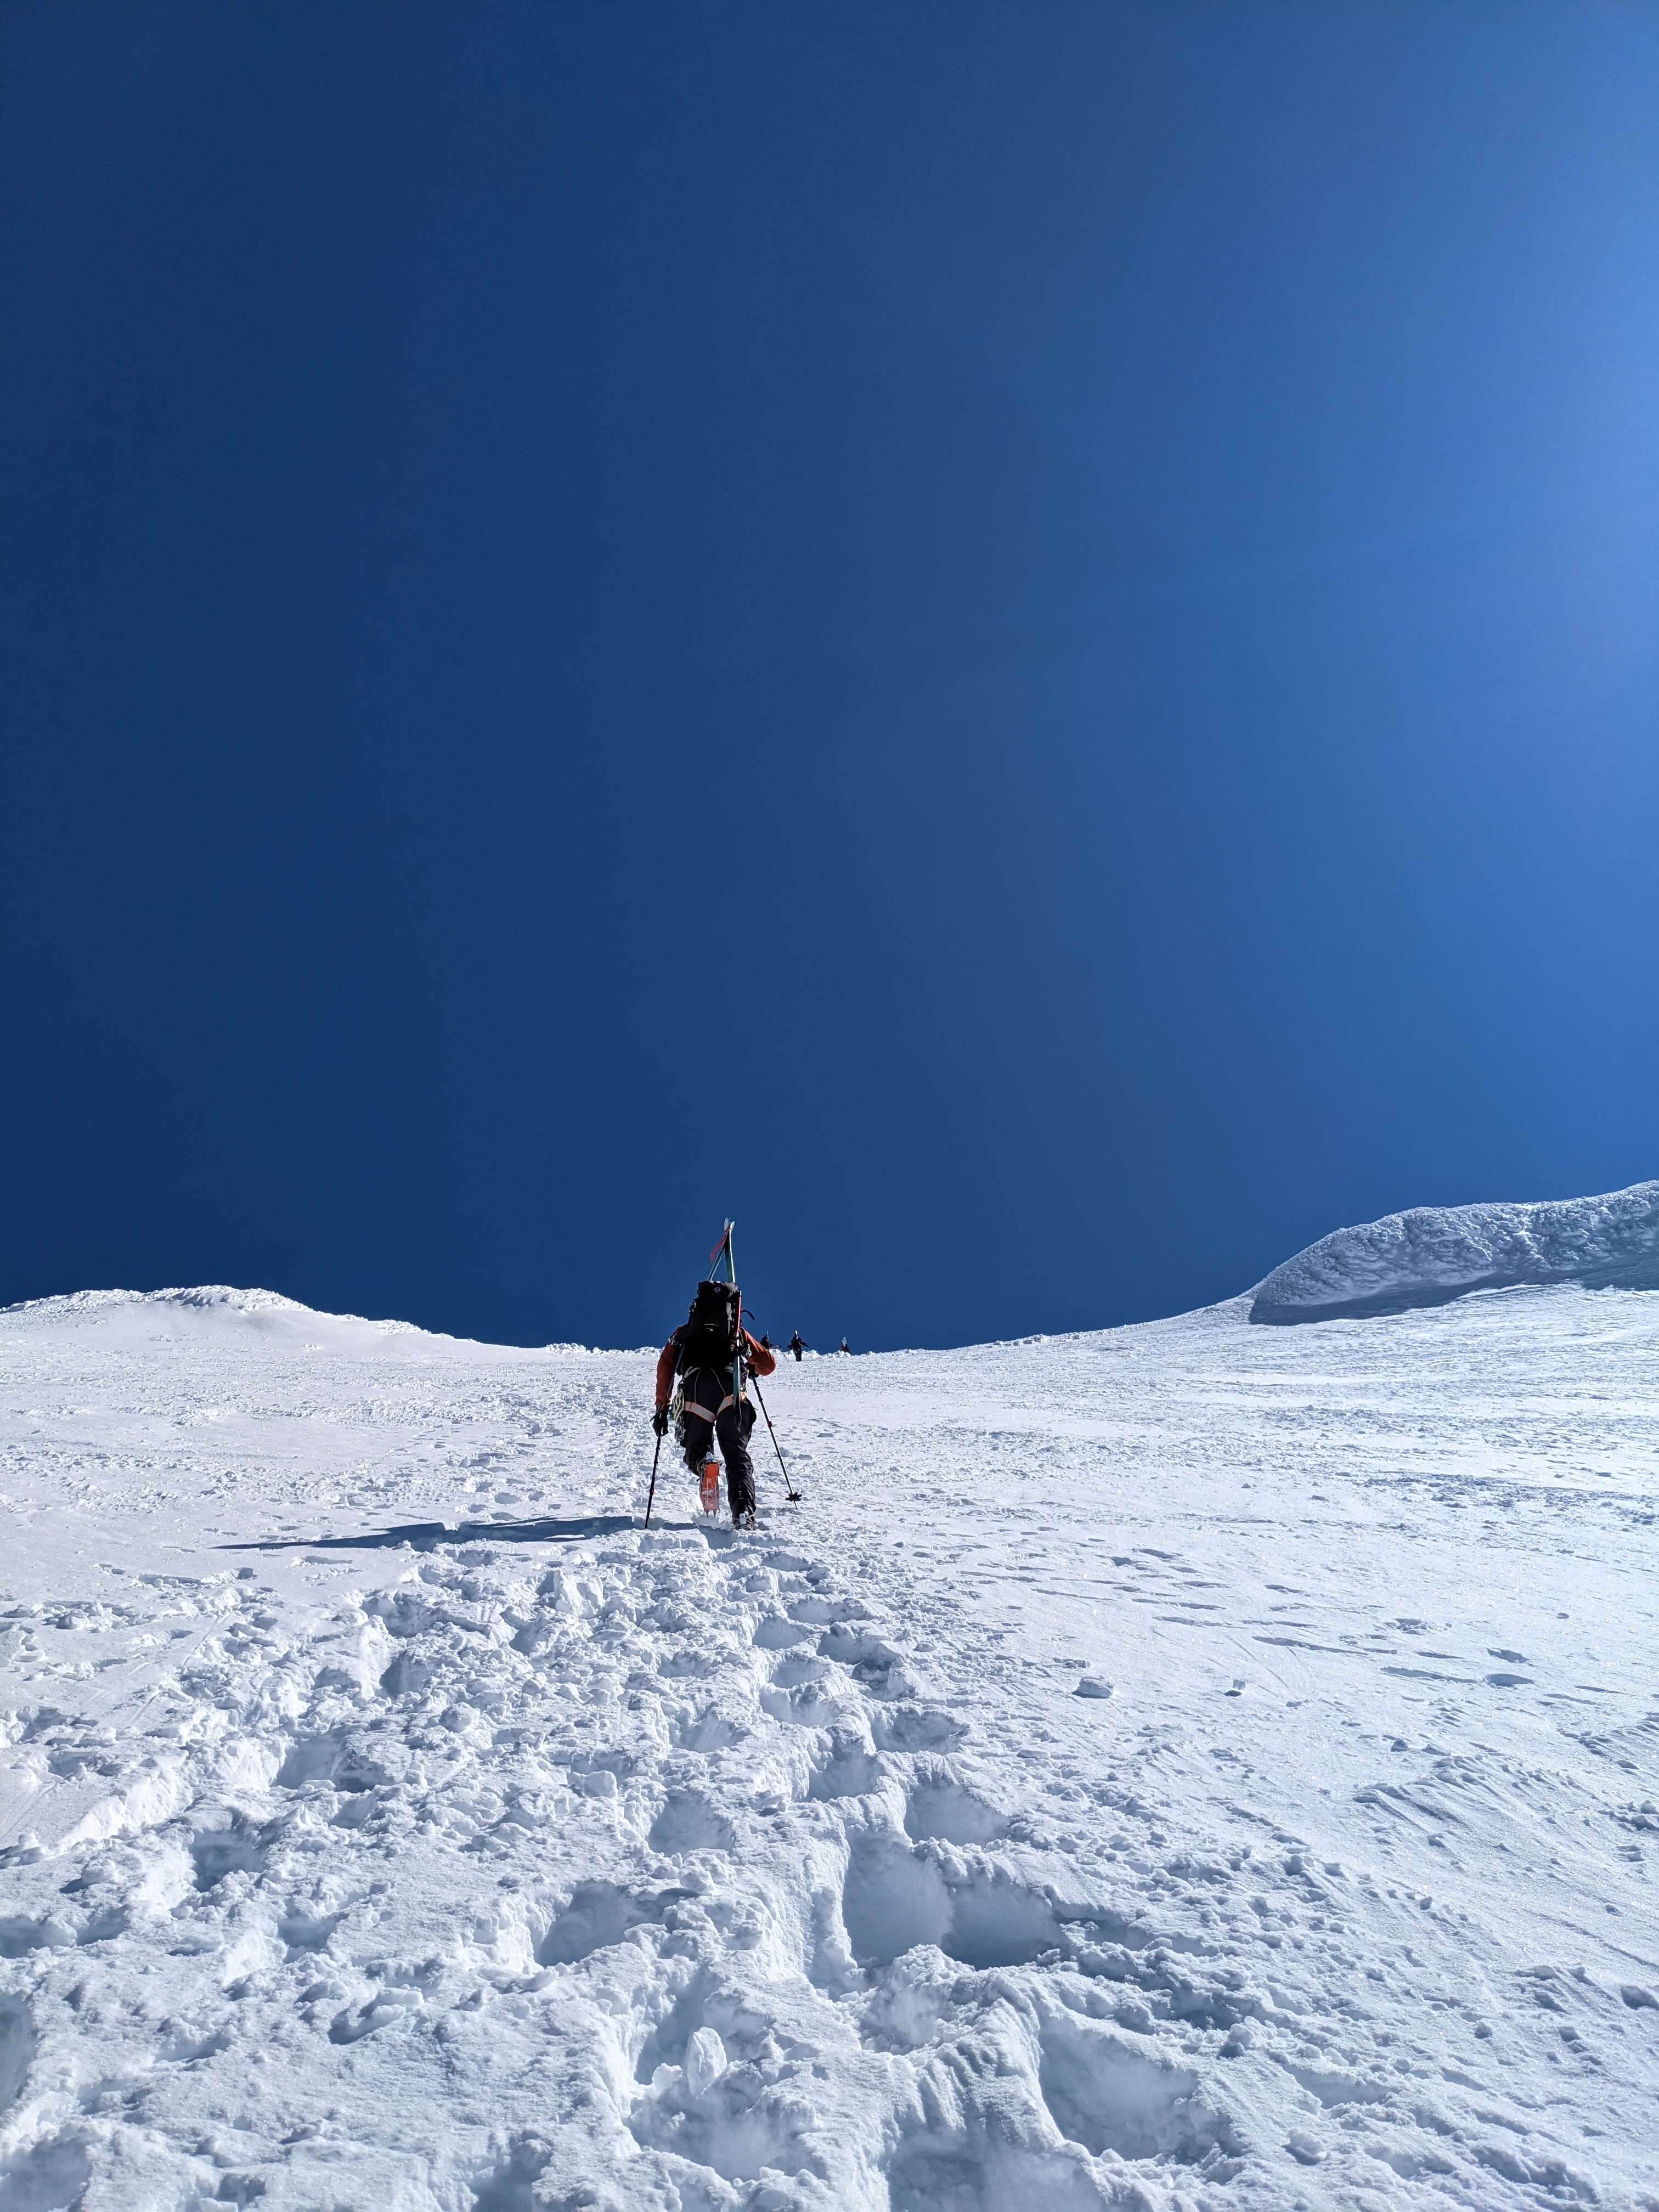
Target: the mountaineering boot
(709, 1491)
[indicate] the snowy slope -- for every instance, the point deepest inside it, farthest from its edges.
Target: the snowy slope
(1195, 1765)
(1435, 1253)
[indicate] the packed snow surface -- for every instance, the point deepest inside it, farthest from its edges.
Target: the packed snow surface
(1435, 1253)
(1192, 1766)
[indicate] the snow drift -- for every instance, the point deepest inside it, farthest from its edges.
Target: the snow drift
(1435, 1253)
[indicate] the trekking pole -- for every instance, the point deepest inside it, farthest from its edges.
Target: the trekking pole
(650, 1501)
(789, 1489)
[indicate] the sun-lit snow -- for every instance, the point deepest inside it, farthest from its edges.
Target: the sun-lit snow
(1194, 1764)
(1434, 1253)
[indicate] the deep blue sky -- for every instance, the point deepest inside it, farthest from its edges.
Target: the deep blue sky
(1020, 644)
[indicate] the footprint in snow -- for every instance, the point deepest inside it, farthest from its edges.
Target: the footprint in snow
(689, 1822)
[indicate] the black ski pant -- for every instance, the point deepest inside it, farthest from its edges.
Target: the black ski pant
(701, 1424)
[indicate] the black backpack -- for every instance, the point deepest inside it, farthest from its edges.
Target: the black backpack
(710, 1336)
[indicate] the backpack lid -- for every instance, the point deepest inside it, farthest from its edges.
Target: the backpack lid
(710, 1336)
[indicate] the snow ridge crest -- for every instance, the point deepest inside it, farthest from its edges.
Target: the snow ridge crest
(136, 1316)
(75, 1303)
(1433, 1254)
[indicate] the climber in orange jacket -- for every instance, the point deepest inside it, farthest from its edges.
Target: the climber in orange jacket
(713, 1402)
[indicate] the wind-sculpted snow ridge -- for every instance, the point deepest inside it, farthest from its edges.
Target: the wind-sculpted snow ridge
(1189, 1769)
(1436, 1253)
(138, 1317)
(82, 1305)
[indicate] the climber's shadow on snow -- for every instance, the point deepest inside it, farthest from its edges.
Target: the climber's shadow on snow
(427, 1535)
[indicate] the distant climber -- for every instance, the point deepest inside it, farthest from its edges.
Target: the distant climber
(845, 1346)
(797, 1346)
(710, 1403)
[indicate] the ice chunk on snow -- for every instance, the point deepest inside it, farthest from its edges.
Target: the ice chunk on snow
(1434, 1253)
(705, 2060)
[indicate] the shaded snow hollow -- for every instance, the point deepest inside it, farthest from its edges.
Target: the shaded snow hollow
(1433, 1254)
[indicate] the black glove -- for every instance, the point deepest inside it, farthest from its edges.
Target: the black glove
(659, 1420)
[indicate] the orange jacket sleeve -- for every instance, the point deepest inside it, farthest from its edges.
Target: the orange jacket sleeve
(666, 1370)
(757, 1358)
